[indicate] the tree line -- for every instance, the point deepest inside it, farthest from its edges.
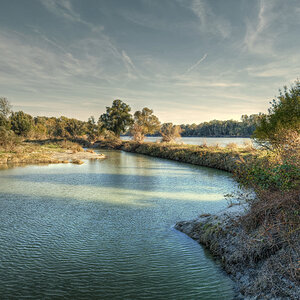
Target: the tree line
(115, 121)
(118, 120)
(217, 128)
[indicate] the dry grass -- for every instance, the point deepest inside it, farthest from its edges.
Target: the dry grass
(232, 146)
(36, 153)
(77, 161)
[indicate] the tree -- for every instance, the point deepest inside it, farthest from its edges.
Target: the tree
(170, 132)
(39, 129)
(8, 140)
(283, 116)
(21, 123)
(74, 127)
(93, 130)
(117, 117)
(5, 110)
(59, 129)
(144, 123)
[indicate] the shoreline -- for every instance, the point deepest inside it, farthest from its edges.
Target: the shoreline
(248, 257)
(45, 154)
(221, 158)
(248, 260)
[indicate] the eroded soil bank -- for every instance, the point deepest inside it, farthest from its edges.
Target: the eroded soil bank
(258, 268)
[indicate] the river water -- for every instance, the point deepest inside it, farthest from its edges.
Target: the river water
(210, 141)
(103, 230)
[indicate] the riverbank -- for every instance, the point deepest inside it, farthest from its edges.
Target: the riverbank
(48, 153)
(261, 254)
(226, 158)
(260, 269)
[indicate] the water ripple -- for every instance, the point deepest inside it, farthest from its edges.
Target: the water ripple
(56, 244)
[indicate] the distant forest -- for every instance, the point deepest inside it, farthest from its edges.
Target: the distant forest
(216, 128)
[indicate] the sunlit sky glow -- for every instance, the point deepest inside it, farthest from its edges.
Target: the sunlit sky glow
(188, 60)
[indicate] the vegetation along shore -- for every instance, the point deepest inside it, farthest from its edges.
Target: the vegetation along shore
(257, 238)
(48, 153)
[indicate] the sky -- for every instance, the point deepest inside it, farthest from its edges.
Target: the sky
(189, 60)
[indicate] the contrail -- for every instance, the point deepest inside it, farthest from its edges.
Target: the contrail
(196, 64)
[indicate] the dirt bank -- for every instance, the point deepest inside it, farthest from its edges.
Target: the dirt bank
(257, 267)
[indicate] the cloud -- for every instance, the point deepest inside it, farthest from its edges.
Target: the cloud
(200, 84)
(275, 21)
(209, 22)
(64, 9)
(283, 70)
(257, 39)
(37, 63)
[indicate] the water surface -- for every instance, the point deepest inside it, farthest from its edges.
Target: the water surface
(104, 230)
(210, 141)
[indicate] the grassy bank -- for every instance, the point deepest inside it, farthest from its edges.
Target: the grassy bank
(228, 158)
(45, 152)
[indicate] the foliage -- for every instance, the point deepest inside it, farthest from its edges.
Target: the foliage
(223, 128)
(117, 117)
(284, 115)
(144, 123)
(280, 132)
(263, 175)
(5, 110)
(170, 132)
(21, 123)
(74, 128)
(8, 140)
(5, 107)
(93, 130)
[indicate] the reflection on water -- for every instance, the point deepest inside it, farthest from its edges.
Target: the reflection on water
(104, 230)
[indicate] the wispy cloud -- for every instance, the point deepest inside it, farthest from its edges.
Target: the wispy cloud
(64, 9)
(274, 21)
(33, 64)
(210, 23)
(257, 39)
(203, 84)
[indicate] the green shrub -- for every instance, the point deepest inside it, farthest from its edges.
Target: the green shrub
(267, 176)
(8, 140)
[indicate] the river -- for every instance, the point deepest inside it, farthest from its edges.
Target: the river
(104, 230)
(210, 141)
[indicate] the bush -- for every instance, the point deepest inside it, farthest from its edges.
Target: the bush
(8, 140)
(284, 116)
(170, 132)
(70, 146)
(268, 176)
